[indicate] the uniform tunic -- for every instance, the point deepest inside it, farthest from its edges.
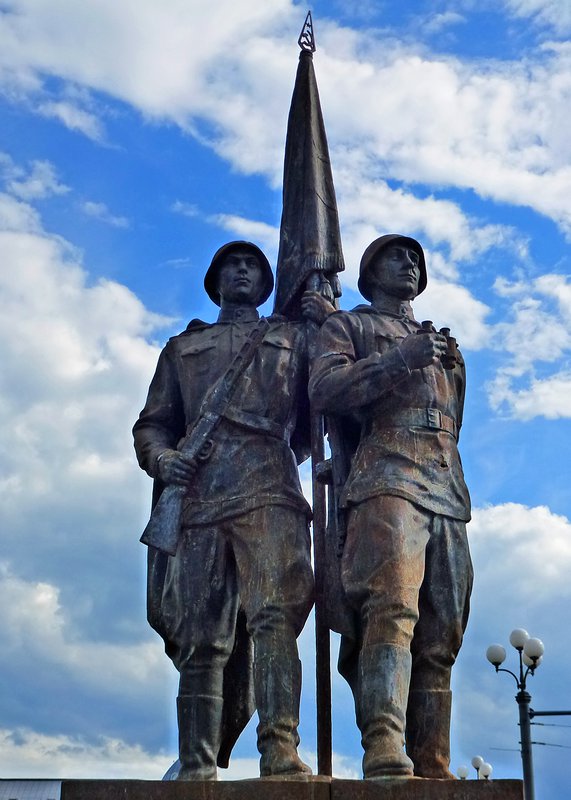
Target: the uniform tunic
(406, 560)
(409, 420)
(252, 464)
(245, 539)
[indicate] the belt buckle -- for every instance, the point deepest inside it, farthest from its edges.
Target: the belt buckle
(434, 418)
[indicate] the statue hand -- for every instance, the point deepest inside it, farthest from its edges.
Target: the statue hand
(420, 350)
(315, 307)
(173, 467)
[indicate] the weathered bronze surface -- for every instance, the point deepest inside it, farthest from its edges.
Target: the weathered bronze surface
(426, 789)
(400, 592)
(240, 576)
(312, 788)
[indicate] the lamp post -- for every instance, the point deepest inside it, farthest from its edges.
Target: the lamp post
(477, 762)
(483, 769)
(530, 652)
(486, 771)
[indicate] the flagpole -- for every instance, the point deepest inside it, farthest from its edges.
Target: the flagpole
(309, 258)
(322, 635)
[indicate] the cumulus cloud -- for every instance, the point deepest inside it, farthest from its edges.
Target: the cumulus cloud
(186, 209)
(28, 754)
(74, 118)
(495, 128)
(101, 212)
(522, 557)
(77, 356)
(539, 546)
(33, 623)
(369, 207)
(265, 235)
(498, 128)
(36, 183)
(76, 363)
(535, 378)
(439, 22)
(554, 13)
(451, 305)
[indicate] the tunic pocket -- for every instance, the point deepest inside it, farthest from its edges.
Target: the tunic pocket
(197, 358)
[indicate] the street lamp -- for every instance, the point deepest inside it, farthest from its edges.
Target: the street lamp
(483, 769)
(477, 762)
(486, 770)
(530, 652)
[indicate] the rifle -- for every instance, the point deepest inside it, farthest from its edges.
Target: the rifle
(163, 528)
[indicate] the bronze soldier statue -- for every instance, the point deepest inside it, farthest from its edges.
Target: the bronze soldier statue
(405, 569)
(243, 554)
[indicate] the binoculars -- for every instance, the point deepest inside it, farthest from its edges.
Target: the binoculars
(449, 359)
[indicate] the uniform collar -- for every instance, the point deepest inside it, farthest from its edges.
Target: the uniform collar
(239, 314)
(394, 307)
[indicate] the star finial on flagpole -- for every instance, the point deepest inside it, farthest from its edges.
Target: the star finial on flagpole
(306, 38)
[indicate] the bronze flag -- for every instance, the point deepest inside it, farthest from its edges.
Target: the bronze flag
(310, 254)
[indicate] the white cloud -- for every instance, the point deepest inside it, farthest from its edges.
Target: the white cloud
(101, 212)
(39, 182)
(76, 362)
(522, 558)
(74, 118)
(535, 378)
(17, 216)
(546, 397)
(29, 754)
(34, 626)
(368, 207)
(451, 305)
(499, 128)
(266, 236)
(539, 546)
(555, 13)
(186, 209)
(438, 22)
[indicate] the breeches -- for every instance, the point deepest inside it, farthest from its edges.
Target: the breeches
(259, 561)
(408, 574)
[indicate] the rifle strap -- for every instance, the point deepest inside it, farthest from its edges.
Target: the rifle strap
(254, 422)
(244, 357)
(218, 399)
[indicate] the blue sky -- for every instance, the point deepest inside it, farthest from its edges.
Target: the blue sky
(134, 140)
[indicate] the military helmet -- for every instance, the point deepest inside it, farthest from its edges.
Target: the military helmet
(210, 279)
(373, 251)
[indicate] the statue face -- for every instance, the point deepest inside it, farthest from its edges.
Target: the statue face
(396, 272)
(240, 278)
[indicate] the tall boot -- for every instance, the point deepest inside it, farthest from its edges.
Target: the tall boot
(384, 676)
(199, 730)
(277, 688)
(428, 733)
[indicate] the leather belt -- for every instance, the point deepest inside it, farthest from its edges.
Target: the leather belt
(254, 422)
(418, 418)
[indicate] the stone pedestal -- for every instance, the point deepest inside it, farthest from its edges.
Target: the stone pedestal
(424, 789)
(314, 788)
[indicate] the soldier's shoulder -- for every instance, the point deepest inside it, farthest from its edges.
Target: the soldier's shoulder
(346, 318)
(195, 327)
(362, 308)
(279, 319)
(279, 322)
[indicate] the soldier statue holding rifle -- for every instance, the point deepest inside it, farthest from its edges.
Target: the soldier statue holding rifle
(405, 569)
(222, 431)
